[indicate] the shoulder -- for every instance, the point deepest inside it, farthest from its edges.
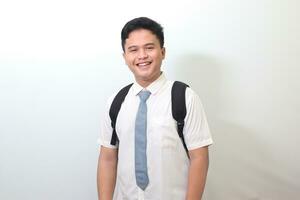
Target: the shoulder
(189, 92)
(120, 92)
(191, 96)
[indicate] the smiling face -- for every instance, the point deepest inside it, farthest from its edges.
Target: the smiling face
(143, 55)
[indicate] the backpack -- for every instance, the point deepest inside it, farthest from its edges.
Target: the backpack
(178, 109)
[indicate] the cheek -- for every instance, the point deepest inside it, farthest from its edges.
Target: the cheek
(158, 56)
(129, 60)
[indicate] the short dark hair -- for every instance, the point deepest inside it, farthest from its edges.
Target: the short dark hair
(142, 23)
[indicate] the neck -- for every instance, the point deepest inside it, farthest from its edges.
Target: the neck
(146, 83)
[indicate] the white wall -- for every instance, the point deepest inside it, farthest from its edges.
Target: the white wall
(60, 60)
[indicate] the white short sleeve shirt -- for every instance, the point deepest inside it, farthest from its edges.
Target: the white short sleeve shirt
(167, 160)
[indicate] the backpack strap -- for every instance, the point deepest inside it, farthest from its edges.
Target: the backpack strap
(114, 111)
(179, 108)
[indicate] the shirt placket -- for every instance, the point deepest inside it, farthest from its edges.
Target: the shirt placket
(141, 194)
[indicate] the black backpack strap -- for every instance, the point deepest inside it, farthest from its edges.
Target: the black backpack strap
(179, 108)
(114, 111)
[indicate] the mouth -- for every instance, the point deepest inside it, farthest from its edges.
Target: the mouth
(143, 64)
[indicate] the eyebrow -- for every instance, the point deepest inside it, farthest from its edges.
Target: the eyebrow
(147, 44)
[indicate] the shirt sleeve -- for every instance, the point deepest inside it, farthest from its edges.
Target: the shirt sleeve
(196, 130)
(105, 127)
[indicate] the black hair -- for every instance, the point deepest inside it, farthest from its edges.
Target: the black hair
(142, 23)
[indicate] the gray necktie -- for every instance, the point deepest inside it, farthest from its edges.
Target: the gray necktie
(141, 174)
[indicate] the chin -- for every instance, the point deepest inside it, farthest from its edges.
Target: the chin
(144, 72)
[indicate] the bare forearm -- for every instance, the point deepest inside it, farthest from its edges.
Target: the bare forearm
(197, 177)
(106, 178)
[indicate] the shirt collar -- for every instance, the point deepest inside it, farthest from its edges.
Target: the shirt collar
(153, 87)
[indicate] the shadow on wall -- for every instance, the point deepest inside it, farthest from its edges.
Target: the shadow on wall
(202, 73)
(241, 166)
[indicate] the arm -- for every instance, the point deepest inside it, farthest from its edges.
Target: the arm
(197, 173)
(106, 173)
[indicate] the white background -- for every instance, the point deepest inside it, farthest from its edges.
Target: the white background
(61, 59)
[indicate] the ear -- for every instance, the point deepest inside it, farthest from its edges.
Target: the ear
(163, 52)
(124, 56)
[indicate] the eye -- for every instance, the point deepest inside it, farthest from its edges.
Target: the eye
(132, 50)
(149, 47)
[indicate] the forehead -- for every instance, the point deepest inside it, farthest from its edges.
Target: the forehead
(141, 37)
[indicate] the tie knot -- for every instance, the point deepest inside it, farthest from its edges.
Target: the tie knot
(144, 95)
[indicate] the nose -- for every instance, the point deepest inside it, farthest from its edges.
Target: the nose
(142, 54)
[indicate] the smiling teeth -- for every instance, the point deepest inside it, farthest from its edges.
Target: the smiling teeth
(144, 64)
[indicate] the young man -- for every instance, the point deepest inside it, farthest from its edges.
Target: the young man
(167, 172)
